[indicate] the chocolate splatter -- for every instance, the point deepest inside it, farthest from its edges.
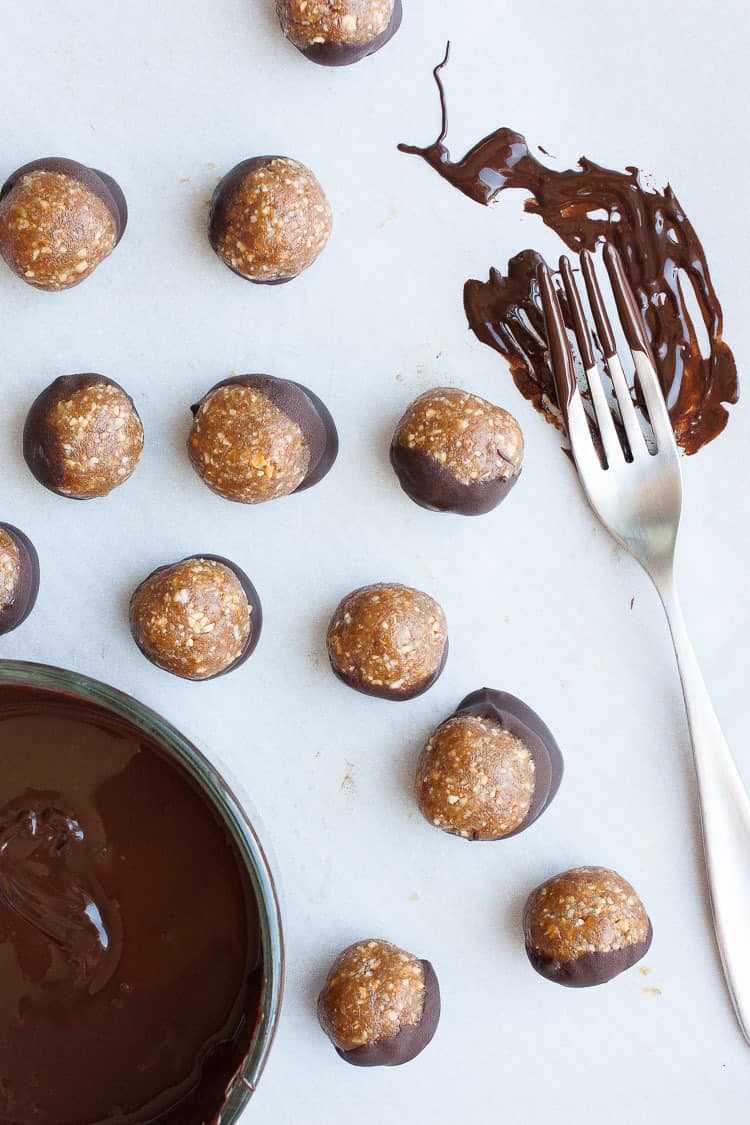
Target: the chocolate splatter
(661, 252)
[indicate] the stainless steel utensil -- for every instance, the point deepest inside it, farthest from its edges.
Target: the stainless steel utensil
(637, 495)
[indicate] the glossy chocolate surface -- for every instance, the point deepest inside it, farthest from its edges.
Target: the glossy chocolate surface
(661, 254)
(409, 1041)
(429, 484)
(27, 586)
(592, 968)
(303, 407)
(520, 720)
(130, 978)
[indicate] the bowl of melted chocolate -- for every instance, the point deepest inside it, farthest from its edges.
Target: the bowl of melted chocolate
(141, 958)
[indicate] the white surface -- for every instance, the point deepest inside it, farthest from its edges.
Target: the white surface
(168, 96)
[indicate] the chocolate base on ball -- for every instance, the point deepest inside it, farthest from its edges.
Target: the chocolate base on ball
(321, 47)
(409, 1041)
(159, 625)
(19, 577)
(58, 221)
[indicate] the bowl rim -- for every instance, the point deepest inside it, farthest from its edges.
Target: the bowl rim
(214, 785)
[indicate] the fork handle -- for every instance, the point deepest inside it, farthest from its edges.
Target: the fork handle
(725, 814)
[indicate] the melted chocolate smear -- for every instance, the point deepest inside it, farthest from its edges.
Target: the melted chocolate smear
(130, 976)
(660, 251)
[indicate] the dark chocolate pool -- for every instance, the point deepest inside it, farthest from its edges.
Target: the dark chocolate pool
(140, 947)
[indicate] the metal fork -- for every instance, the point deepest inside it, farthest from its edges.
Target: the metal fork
(639, 501)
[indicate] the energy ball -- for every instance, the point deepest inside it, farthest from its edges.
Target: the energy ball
(388, 640)
(585, 926)
(58, 221)
(269, 219)
(198, 618)
(455, 452)
(490, 770)
(380, 1006)
(255, 438)
(83, 436)
(19, 577)
(339, 32)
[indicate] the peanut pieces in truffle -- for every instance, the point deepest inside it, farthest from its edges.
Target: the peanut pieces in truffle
(380, 1006)
(58, 221)
(19, 577)
(388, 640)
(339, 32)
(585, 926)
(255, 438)
(455, 452)
(197, 619)
(269, 219)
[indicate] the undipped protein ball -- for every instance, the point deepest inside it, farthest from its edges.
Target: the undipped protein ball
(19, 577)
(198, 618)
(455, 452)
(490, 770)
(255, 438)
(379, 1006)
(585, 926)
(82, 436)
(269, 219)
(339, 32)
(58, 221)
(388, 640)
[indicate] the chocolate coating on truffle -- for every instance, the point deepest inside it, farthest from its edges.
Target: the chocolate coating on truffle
(585, 926)
(83, 436)
(19, 577)
(388, 640)
(455, 452)
(58, 221)
(269, 219)
(255, 438)
(490, 770)
(339, 32)
(380, 1006)
(198, 619)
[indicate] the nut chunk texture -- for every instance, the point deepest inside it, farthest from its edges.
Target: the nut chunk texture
(585, 926)
(83, 436)
(388, 640)
(380, 1005)
(19, 577)
(198, 618)
(269, 219)
(339, 32)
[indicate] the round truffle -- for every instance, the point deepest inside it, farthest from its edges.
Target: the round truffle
(198, 619)
(455, 452)
(269, 219)
(255, 438)
(490, 770)
(19, 577)
(380, 1006)
(58, 221)
(83, 436)
(585, 926)
(339, 32)
(388, 640)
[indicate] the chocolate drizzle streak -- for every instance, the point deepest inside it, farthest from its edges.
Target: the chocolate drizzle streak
(660, 251)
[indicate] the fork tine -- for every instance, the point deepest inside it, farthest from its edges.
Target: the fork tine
(568, 394)
(640, 348)
(636, 440)
(607, 430)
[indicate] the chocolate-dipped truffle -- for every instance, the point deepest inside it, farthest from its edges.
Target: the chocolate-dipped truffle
(19, 577)
(198, 618)
(255, 438)
(585, 926)
(58, 221)
(490, 770)
(339, 32)
(380, 1006)
(83, 436)
(388, 640)
(269, 219)
(455, 452)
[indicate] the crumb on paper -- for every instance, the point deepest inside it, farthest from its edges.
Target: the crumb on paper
(399, 377)
(210, 164)
(652, 991)
(632, 601)
(413, 897)
(348, 784)
(185, 180)
(644, 971)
